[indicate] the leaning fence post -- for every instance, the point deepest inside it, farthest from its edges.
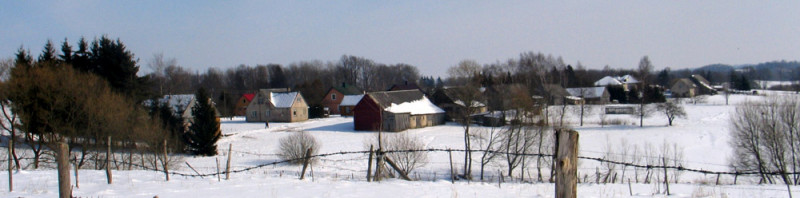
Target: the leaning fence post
(666, 179)
(228, 165)
(397, 168)
(369, 165)
(305, 163)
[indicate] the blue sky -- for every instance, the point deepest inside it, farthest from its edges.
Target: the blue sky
(432, 35)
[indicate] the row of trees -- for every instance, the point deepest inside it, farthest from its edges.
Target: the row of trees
(92, 96)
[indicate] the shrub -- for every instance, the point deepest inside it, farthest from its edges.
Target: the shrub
(293, 147)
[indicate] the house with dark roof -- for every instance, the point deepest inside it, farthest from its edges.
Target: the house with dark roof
(450, 100)
(683, 88)
(335, 95)
(272, 106)
(396, 111)
(241, 104)
(703, 86)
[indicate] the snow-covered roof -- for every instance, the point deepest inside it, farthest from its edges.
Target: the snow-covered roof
(608, 80)
(351, 100)
(416, 107)
(474, 103)
(587, 92)
(178, 103)
(616, 80)
(283, 100)
(627, 79)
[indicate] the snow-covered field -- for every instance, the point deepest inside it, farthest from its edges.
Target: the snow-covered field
(702, 136)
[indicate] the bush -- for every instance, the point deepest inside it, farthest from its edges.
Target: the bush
(293, 147)
(408, 161)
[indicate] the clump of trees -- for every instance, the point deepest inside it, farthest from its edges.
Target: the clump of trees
(204, 129)
(765, 138)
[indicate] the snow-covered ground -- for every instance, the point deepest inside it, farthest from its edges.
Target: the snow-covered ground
(702, 136)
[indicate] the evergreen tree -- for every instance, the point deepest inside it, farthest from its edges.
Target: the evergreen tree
(111, 60)
(80, 59)
(66, 52)
(48, 53)
(204, 132)
(23, 58)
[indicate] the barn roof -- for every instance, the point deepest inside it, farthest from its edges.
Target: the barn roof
(608, 80)
(405, 101)
(351, 100)
(283, 100)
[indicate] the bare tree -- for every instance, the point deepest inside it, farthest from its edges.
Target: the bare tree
(469, 99)
(407, 157)
(671, 110)
(488, 140)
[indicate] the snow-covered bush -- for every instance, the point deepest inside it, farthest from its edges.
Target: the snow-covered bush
(293, 147)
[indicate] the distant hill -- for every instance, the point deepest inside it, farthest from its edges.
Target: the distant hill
(774, 70)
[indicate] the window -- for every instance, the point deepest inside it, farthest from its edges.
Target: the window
(294, 112)
(333, 96)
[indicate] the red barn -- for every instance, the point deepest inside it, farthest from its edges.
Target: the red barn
(396, 111)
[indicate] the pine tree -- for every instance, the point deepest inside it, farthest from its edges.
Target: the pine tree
(80, 59)
(66, 52)
(204, 132)
(48, 53)
(23, 59)
(111, 60)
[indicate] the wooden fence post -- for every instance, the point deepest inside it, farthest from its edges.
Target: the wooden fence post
(218, 173)
(452, 174)
(165, 161)
(76, 172)
(369, 165)
(10, 166)
(109, 177)
(305, 163)
(666, 178)
(62, 159)
(228, 165)
(567, 164)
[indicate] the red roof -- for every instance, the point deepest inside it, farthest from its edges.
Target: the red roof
(249, 96)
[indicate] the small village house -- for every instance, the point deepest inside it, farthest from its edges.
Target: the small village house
(683, 88)
(349, 103)
(626, 82)
(396, 111)
(448, 99)
(270, 105)
(182, 105)
(335, 95)
(241, 104)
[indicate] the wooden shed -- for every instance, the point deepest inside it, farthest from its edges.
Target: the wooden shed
(396, 111)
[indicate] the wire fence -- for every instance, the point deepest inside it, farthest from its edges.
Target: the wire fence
(341, 166)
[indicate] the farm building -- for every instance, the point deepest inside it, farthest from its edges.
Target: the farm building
(396, 111)
(683, 88)
(241, 104)
(335, 95)
(277, 107)
(626, 82)
(450, 99)
(349, 102)
(591, 95)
